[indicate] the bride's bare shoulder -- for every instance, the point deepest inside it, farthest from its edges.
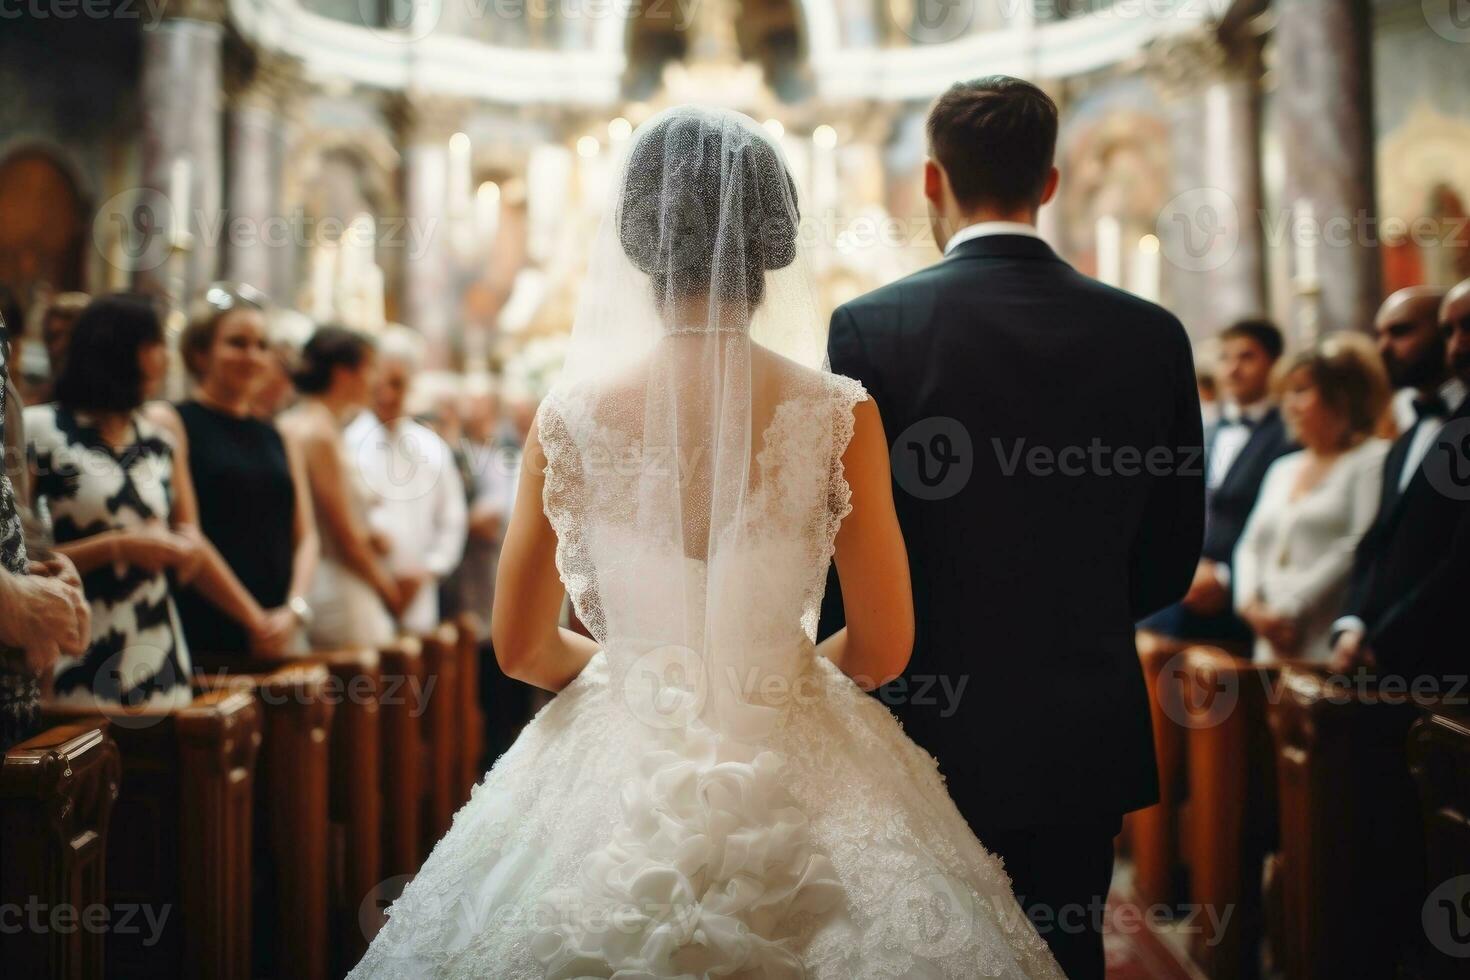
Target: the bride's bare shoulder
(793, 379)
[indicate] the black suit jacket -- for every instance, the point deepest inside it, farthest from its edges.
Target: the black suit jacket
(1410, 569)
(1229, 505)
(1027, 579)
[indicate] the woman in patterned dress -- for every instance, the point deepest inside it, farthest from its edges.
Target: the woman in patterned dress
(42, 612)
(105, 473)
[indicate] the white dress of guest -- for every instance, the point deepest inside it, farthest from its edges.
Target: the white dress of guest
(1296, 555)
(347, 610)
(416, 500)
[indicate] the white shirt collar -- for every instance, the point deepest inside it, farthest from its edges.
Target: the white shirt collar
(1453, 392)
(983, 228)
(1254, 412)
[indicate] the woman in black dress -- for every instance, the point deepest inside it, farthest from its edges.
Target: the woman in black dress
(243, 481)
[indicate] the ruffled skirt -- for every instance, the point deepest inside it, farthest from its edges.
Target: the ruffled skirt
(598, 847)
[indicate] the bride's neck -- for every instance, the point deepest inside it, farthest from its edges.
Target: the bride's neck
(696, 314)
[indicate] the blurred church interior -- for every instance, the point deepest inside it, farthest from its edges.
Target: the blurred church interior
(442, 164)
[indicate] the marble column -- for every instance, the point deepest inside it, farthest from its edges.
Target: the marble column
(259, 230)
(1210, 230)
(1049, 220)
(1324, 63)
(429, 303)
(181, 96)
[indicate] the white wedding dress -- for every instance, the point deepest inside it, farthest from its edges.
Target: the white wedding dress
(622, 837)
(709, 797)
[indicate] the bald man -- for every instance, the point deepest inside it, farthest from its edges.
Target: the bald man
(1407, 331)
(1412, 562)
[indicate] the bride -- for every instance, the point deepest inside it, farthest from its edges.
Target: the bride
(710, 794)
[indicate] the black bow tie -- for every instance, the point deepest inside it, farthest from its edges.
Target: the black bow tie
(1243, 420)
(1430, 407)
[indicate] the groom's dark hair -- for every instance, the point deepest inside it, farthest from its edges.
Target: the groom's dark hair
(995, 137)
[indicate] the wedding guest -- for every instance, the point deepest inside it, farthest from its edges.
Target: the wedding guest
(106, 474)
(1249, 436)
(43, 614)
(1295, 555)
(447, 421)
(1413, 349)
(227, 456)
(494, 467)
(287, 332)
(416, 499)
(490, 461)
(351, 592)
(1209, 393)
(1410, 571)
(56, 323)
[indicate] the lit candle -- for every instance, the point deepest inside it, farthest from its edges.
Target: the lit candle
(1306, 242)
(1109, 250)
(180, 178)
(1146, 268)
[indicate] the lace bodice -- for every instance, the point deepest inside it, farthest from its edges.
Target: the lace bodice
(646, 601)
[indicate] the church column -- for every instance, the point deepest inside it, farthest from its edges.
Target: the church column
(1049, 222)
(260, 231)
(1211, 233)
(181, 151)
(1324, 61)
(425, 125)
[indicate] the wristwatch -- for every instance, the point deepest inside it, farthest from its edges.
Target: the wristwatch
(301, 609)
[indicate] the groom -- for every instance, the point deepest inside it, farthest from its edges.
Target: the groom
(1045, 447)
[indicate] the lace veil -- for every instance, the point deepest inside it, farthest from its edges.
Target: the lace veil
(698, 310)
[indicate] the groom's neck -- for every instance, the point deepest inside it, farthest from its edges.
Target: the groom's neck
(978, 216)
(958, 220)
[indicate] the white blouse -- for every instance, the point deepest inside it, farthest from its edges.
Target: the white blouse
(1296, 555)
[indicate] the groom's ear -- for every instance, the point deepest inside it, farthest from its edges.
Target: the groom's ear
(933, 182)
(1049, 189)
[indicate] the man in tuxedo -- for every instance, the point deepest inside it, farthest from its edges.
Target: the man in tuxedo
(1046, 454)
(1410, 569)
(1248, 437)
(1408, 335)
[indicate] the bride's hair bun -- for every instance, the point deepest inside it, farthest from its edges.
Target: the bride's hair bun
(698, 183)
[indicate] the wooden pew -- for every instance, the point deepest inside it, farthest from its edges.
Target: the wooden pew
(471, 720)
(402, 677)
(1439, 759)
(442, 729)
(181, 835)
(1232, 803)
(291, 805)
(1351, 856)
(56, 797)
(355, 803)
(1153, 833)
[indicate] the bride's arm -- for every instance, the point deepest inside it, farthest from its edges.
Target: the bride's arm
(529, 644)
(872, 565)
